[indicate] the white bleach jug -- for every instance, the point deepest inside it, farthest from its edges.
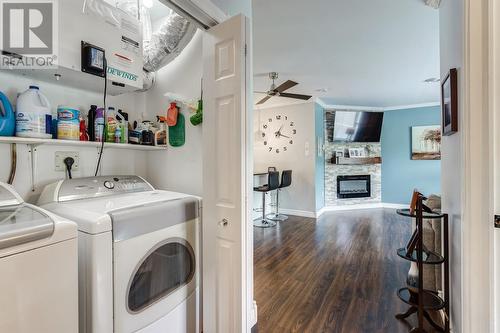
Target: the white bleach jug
(31, 114)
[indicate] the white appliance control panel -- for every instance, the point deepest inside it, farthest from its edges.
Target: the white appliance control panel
(92, 187)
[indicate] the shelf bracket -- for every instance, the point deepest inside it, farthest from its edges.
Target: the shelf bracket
(32, 150)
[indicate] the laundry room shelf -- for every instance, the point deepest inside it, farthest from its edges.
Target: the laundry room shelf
(55, 142)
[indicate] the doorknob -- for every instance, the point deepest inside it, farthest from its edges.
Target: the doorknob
(224, 223)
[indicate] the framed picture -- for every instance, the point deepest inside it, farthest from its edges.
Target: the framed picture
(426, 142)
(357, 152)
(449, 103)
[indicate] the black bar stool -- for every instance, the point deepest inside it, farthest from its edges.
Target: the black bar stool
(286, 180)
(273, 183)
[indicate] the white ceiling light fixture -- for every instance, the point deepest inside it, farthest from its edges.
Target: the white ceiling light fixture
(148, 3)
(433, 3)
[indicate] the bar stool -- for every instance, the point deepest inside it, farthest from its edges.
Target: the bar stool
(273, 183)
(286, 180)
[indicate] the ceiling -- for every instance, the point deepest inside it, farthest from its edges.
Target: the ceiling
(364, 52)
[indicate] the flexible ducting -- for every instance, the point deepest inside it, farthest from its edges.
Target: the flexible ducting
(164, 45)
(168, 42)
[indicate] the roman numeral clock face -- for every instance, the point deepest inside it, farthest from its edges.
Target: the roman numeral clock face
(278, 133)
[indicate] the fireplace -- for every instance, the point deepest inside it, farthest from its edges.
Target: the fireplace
(353, 187)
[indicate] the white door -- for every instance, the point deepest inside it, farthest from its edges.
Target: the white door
(225, 177)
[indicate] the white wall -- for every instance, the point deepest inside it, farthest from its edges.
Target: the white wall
(301, 194)
(234, 7)
(113, 162)
(178, 169)
(451, 16)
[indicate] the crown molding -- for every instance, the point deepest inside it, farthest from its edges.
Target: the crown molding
(412, 106)
(281, 104)
(374, 108)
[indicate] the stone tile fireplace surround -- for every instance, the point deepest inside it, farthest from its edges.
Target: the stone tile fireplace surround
(334, 170)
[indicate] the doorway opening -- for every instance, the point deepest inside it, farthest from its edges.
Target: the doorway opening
(327, 258)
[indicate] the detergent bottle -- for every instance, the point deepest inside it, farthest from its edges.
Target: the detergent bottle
(99, 125)
(7, 117)
(32, 109)
(123, 128)
(111, 124)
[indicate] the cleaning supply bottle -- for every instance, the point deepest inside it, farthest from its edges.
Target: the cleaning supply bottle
(83, 131)
(161, 133)
(32, 108)
(122, 119)
(91, 121)
(197, 118)
(7, 117)
(111, 124)
(99, 125)
(118, 134)
(172, 114)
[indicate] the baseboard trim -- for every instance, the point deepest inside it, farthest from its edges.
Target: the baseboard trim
(360, 206)
(295, 212)
(395, 206)
(254, 314)
(305, 213)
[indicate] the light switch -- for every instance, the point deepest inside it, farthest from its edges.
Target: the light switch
(306, 148)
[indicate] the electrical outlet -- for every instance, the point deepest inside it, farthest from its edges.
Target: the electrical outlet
(61, 155)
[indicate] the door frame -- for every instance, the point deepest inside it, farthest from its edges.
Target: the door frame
(494, 136)
(477, 127)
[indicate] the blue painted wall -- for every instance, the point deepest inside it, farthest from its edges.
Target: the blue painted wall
(320, 160)
(401, 174)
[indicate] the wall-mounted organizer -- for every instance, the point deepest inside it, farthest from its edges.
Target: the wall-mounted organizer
(57, 142)
(420, 300)
(33, 143)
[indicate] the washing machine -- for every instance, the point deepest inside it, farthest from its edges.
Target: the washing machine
(38, 268)
(139, 253)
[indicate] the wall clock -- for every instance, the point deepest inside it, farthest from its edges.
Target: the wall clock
(278, 133)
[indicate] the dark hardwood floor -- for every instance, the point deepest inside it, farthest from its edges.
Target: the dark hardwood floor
(339, 273)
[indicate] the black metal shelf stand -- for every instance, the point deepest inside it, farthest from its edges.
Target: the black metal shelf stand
(425, 300)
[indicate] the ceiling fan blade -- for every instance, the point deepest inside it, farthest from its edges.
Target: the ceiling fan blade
(285, 86)
(262, 101)
(260, 92)
(297, 96)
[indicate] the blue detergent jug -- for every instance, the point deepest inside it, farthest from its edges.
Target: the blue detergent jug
(7, 117)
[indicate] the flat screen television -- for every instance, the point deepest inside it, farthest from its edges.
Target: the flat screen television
(357, 126)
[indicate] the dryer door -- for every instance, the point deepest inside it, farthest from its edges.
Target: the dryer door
(154, 275)
(169, 266)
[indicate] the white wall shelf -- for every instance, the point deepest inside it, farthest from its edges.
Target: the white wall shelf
(55, 142)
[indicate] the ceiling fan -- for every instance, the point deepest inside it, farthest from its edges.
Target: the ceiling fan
(280, 90)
